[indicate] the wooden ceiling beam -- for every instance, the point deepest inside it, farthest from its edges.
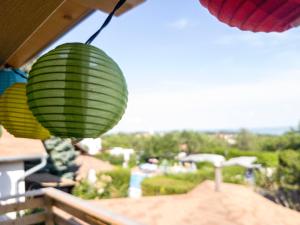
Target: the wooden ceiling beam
(107, 6)
(28, 27)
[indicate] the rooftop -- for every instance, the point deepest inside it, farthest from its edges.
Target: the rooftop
(235, 204)
(87, 163)
(17, 149)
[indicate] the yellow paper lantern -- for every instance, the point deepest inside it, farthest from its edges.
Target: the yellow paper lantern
(16, 117)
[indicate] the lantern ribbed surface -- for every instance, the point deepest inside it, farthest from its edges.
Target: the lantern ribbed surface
(16, 117)
(76, 90)
(256, 15)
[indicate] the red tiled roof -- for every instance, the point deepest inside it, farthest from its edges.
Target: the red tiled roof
(87, 163)
(15, 149)
(235, 204)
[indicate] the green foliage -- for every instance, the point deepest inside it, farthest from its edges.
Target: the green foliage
(204, 166)
(252, 142)
(116, 160)
(124, 140)
(289, 140)
(289, 169)
(168, 144)
(283, 185)
(196, 177)
(175, 183)
(162, 185)
(112, 184)
(184, 182)
(265, 180)
(268, 159)
(246, 140)
(61, 160)
(165, 145)
(133, 161)
(120, 183)
(234, 174)
(85, 190)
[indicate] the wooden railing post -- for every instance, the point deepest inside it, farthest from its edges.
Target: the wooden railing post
(49, 212)
(61, 208)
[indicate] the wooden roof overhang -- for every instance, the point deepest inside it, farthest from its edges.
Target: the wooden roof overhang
(29, 26)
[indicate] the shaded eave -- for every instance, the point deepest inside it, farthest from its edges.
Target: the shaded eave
(14, 149)
(28, 27)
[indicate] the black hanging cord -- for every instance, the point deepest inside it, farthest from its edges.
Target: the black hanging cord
(106, 22)
(20, 74)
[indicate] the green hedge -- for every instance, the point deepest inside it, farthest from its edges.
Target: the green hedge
(175, 183)
(162, 185)
(116, 160)
(184, 182)
(119, 184)
(288, 172)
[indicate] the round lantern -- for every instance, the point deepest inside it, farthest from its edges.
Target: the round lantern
(16, 117)
(256, 15)
(76, 90)
(9, 76)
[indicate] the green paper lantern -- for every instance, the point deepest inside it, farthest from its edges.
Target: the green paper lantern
(76, 90)
(16, 117)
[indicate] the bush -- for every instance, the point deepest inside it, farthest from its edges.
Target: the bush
(112, 184)
(116, 160)
(204, 165)
(283, 185)
(85, 190)
(195, 178)
(265, 179)
(162, 185)
(175, 183)
(289, 169)
(120, 183)
(267, 159)
(234, 174)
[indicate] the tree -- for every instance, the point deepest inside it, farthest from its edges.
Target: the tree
(61, 160)
(246, 140)
(289, 168)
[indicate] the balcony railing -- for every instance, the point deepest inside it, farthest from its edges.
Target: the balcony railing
(51, 206)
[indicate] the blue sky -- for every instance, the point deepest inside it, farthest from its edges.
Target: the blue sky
(186, 70)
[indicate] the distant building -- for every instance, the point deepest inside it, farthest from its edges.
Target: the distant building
(228, 137)
(117, 151)
(125, 152)
(91, 146)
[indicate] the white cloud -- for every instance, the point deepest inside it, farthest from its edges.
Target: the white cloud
(266, 103)
(180, 24)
